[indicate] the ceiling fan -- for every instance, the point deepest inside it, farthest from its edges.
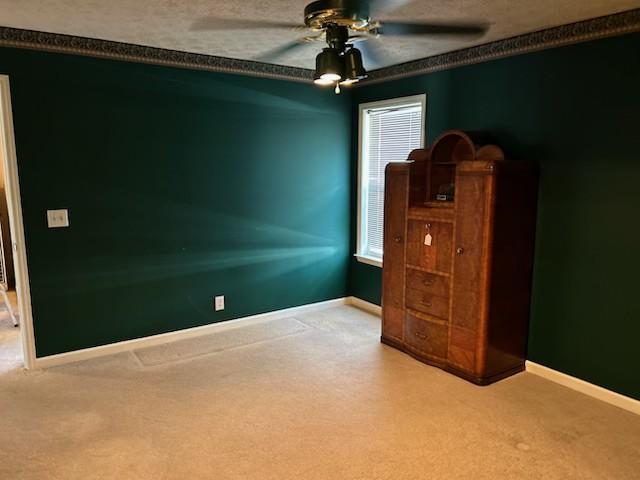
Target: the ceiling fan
(343, 24)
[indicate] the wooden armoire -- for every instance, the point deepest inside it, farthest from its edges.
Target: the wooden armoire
(459, 224)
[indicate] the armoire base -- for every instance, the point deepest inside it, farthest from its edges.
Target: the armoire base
(482, 381)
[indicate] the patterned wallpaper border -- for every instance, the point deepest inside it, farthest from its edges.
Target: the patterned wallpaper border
(610, 25)
(60, 43)
(601, 27)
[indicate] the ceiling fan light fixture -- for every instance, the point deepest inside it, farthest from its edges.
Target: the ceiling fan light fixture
(354, 70)
(329, 66)
(323, 81)
(330, 77)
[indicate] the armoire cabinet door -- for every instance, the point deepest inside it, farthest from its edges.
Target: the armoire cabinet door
(434, 254)
(471, 228)
(395, 212)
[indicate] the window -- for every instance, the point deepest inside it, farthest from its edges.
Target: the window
(389, 130)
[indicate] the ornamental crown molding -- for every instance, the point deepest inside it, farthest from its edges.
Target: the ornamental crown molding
(90, 47)
(583, 31)
(601, 27)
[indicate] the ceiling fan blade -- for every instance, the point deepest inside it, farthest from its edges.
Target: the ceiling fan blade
(218, 23)
(409, 28)
(274, 54)
(376, 6)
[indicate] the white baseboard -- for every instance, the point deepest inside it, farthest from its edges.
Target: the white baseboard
(153, 340)
(364, 305)
(587, 388)
(613, 398)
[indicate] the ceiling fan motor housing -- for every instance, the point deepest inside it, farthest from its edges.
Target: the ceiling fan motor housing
(351, 14)
(337, 36)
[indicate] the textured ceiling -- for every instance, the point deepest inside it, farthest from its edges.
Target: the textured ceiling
(171, 23)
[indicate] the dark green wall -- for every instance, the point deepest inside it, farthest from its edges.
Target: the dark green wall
(575, 110)
(180, 185)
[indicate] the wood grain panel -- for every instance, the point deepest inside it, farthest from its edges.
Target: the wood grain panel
(428, 282)
(427, 303)
(512, 265)
(395, 211)
(425, 336)
(392, 322)
(436, 256)
(467, 288)
(462, 344)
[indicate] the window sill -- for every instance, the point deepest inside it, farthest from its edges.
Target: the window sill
(376, 262)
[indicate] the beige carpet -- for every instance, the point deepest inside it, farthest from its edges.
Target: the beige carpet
(327, 401)
(225, 340)
(10, 347)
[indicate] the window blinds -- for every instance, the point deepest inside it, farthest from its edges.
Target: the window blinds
(389, 135)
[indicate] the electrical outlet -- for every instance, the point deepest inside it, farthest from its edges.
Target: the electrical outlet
(219, 303)
(57, 218)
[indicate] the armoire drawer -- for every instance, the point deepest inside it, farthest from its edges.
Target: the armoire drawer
(428, 282)
(427, 337)
(427, 303)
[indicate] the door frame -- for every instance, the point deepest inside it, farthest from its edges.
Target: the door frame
(14, 204)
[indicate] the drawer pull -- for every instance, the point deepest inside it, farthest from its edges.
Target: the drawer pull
(428, 283)
(397, 239)
(459, 251)
(427, 303)
(421, 336)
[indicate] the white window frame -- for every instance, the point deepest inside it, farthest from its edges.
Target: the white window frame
(363, 107)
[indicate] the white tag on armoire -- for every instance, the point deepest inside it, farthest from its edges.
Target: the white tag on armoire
(428, 239)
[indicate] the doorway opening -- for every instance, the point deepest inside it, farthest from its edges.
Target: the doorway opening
(11, 356)
(17, 345)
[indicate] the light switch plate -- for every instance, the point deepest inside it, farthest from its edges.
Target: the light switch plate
(58, 218)
(219, 303)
